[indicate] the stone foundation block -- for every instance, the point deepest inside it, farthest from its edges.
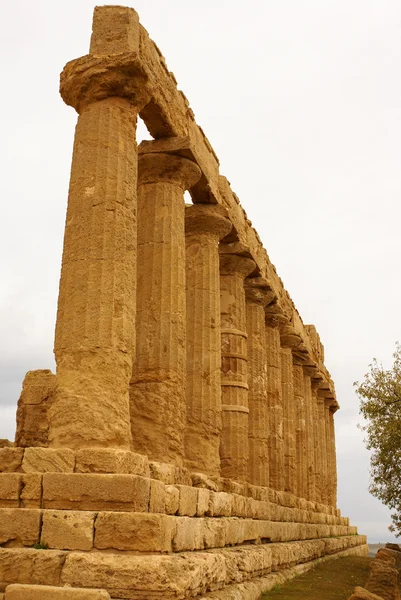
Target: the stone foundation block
(188, 534)
(235, 531)
(200, 480)
(84, 491)
(37, 567)
(68, 530)
(134, 531)
(163, 472)
(203, 502)
(10, 486)
(20, 526)
(157, 500)
(46, 592)
(105, 460)
(188, 500)
(238, 505)
(48, 460)
(31, 490)
(214, 533)
(10, 459)
(172, 496)
(220, 504)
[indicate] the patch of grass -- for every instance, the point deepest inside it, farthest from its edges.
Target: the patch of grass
(39, 546)
(331, 580)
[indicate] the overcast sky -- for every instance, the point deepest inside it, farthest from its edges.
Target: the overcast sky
(301, 100)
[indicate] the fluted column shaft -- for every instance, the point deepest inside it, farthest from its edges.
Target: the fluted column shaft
(205, 225)
(258, 293)
(157, 391)
(234, 449)
(323, 450)
(275, 406)
(310, 436)
(300, 427)
(289, 412)
(331, 457)
(317, 444)
(96, 308)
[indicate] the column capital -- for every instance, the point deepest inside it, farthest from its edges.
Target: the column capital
(259, 291)
(167, 168)
(235, 259)
(207, 219)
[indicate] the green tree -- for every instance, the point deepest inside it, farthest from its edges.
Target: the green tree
(380, 404)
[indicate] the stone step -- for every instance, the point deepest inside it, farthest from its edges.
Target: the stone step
(164, 576)
(46, 592)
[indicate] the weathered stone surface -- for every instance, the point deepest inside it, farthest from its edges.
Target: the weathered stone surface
(362, 594)
(42, 592)
(188, 500)
(33, 406)
(110, 460)
(157, 498)
(384, 580)
(31, 490)
(19, 526)
(84, 491)
(67, 530)
(389, 555)
(203, 502)
(10, 459)
(37, 567)
(172, 499)
(10, 487)
(48, 460)
(134, 531)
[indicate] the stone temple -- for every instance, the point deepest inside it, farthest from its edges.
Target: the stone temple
(185, 446)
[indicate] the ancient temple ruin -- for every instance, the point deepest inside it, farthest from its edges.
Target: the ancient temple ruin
(185, 446)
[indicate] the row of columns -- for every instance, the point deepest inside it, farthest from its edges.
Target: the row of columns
(177, 360)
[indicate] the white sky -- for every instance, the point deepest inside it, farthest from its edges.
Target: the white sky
(301, 100)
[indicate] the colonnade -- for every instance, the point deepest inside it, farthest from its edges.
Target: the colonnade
(168, 340)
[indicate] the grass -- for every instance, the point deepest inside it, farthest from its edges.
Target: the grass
(332, 580)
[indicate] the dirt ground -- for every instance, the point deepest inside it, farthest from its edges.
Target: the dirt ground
(332, 580)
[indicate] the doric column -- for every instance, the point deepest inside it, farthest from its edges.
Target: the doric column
(300, 428)
(323, 449)
(205, 225)
(317, 442)
(275, 401)
(310, 438)
(235, 265)
(289, 412)
(157, 391)
(258, 294)
(96, 306)
(331, 456)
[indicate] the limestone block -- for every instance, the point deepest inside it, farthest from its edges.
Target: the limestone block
(203, 502)
(48, 460)
(20, 526)
(134, 531)
(383, 580)
(10, 459)
(188, 500)
(157, 501)
(238, 505)
(362, 594)
(233, 487)
(37, 567)
(110, 460)
(31, 490)
(214, 532)
(33, 405)
(220, 504)
(172, 499)
(67, 530)
(163, 471)
(388, 555)
(95, 491)
(235, 531)
(47, 592)
(10, 486)
(6, 443)
(200, 480)
(188, 534)
(141, 577)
